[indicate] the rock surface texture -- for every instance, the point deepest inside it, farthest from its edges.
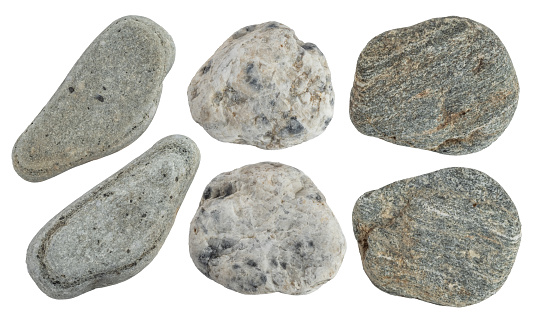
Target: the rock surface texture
(116, 229)
(263, 87)
(107, 100)
(266, 228)
(448, 237)
(445, 85)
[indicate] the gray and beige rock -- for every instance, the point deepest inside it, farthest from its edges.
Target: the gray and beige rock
(445, 85)
(263, 87)
(116, 229)
(448, 237)
(105, 103)
(266, 228)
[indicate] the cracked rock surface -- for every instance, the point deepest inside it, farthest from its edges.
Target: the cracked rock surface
(446, 85)
(116, 229)
(105, 103)
(266, 228)
(449, 237)
(263, 87)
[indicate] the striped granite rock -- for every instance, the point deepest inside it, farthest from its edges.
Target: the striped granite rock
(105, 103)
(445, 85)
(263, 87)
(266, 228)
(116, 229)
(448, 237)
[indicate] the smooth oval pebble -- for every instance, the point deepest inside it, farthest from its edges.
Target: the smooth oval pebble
(105, 103)
(116, 229)
(263, 87)
(449, 237)
(266, 228)
(446, 85)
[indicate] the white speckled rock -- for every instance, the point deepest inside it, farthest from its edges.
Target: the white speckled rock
(263, 87)
(266, 228)
(116, 229)
(105, 103)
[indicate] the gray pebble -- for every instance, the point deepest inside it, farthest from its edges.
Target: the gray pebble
(448, 237)
(266, 228)
(445, 85)
(105, 103)
(116, 229)
(263, 87)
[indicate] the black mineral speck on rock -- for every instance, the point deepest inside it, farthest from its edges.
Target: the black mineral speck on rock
(446, 85)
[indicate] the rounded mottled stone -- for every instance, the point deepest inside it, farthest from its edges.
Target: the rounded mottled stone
(105, 103)
(266, 228)
(445, 85)
(263, 87)
(448, 237)
(116, 229)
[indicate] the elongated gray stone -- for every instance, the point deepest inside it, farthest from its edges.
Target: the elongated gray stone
(116, 229)
(105, 103)
(266, 228)
(445, 85)
(263, 87)
(449, 237)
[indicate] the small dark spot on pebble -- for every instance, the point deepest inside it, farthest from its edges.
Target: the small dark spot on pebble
(263, 278)
(128, 251)
(144, 215)
(104, 88)
(294, 127)
(176, 179)
(272, 25)
(236, 266)
(171, 197)
(283, 265)
(309, 46)
(207, 193)
(71, 89)
(251, 263)
(274, 262)
(310, 243)
(475, 204)
(206, 68)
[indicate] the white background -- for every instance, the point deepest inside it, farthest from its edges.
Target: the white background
(40, 43)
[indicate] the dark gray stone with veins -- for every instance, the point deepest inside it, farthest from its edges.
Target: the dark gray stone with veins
(445, 85)
(449, 237)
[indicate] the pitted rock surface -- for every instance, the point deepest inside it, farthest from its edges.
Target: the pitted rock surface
(105, 103)
(445, 85)
(116, 229)
(266, 228)
(448, 237)
(263, 87)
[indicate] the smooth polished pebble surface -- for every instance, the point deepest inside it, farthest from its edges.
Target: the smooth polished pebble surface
(449, 237)
(263, 87)
(266, 228)
(116, 229)
(106, 102)
(446, 85)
